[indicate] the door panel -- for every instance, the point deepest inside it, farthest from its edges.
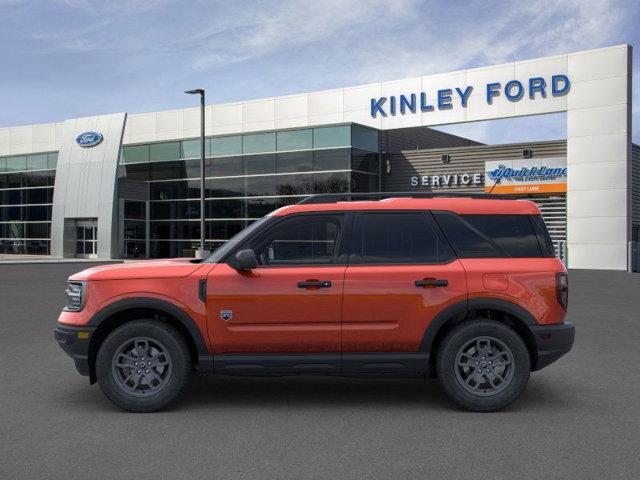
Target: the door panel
(290, 303)
(401, 273)
(384, 311)
(271, 313)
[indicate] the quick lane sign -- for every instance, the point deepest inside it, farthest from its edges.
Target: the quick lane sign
(446, 99)
(531, 175)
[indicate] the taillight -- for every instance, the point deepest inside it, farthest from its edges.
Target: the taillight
(562, 289)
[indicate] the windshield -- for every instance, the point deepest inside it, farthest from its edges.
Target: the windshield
(236, 240)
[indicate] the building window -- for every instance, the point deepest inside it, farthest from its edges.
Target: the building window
(26, 196)
(224, 146)
(247, 176)
(17, 164)
(295, 162)
(364, 138)
(135, 154)
(260, 164)
(328, 137)
(295, 140)
(37, 162)
(160, 152)
(259, 143)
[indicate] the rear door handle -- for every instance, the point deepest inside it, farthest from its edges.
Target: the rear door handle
(431, 283)
(314, 284)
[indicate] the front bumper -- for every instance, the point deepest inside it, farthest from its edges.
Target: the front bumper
(75, 343)
(552, 342)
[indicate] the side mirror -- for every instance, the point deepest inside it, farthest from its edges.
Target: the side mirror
(244, 260)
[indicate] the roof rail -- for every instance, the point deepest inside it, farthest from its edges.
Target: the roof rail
(354, 197)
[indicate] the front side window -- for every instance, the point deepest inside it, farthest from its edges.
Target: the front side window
(303, 240)
(397, 238)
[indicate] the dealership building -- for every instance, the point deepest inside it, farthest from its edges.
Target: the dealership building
(127, 185)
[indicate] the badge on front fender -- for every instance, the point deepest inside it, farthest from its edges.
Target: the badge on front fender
(226, 315)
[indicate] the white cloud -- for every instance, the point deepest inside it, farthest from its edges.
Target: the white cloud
(289, 25)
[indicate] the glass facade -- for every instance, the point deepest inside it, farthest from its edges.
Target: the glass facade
(247, 176)
(26, 196)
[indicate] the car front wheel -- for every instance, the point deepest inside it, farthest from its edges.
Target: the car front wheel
(143, 365)
(483, 365)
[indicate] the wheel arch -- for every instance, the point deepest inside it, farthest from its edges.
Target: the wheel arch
(123, 311)
(506, 312)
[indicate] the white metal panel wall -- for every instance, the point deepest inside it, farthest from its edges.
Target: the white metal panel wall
(599, 158)
(28, 139)
(85, 185)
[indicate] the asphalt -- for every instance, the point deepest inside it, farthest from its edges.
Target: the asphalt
(579, 418)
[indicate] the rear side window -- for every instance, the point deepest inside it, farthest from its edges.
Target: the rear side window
(482, 236)
(398, 237)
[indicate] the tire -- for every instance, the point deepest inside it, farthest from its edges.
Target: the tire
(502, 360)
(139, 383)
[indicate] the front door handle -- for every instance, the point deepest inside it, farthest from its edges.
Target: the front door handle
(314, 284)
(431, 283)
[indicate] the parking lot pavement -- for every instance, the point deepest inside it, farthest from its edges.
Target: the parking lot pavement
(579, 418)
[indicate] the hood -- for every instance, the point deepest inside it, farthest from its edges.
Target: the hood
(165, 268)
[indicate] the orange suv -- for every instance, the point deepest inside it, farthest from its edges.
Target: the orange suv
(463, 288)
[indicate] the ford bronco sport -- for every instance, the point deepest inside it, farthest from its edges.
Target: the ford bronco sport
(465, 289)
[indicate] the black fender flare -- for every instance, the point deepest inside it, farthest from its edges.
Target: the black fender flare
(438, 322)
(472, 304)
(156, 304)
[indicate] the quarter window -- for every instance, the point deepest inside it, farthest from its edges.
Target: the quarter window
(399, 237)
(486, 236)
(513, 234)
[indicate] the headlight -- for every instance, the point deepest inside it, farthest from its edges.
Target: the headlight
(75, 296)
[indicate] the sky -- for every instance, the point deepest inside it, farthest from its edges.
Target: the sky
(72, 58)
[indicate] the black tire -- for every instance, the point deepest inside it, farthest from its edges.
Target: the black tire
(497, 385)
(155, 385)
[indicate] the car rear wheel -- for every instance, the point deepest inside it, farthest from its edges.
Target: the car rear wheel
(483, 365)
(143, 365)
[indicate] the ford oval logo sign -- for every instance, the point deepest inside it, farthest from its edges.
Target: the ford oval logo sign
(89, 139)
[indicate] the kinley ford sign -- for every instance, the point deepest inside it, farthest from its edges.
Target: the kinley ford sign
(445, 99)
(518, 176)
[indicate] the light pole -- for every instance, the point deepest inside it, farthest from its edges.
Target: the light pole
(202, 252)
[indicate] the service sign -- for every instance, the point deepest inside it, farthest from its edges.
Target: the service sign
(526, 175)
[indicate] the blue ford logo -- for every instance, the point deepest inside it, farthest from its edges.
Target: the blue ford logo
(89, 139)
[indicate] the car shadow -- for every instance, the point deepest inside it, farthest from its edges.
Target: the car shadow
(312, 392)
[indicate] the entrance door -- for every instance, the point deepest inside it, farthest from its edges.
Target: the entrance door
(87, 239)
(291, 303)
(401, 273)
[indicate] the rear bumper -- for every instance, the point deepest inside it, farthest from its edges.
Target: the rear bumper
(75, 343)
(552, 342)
